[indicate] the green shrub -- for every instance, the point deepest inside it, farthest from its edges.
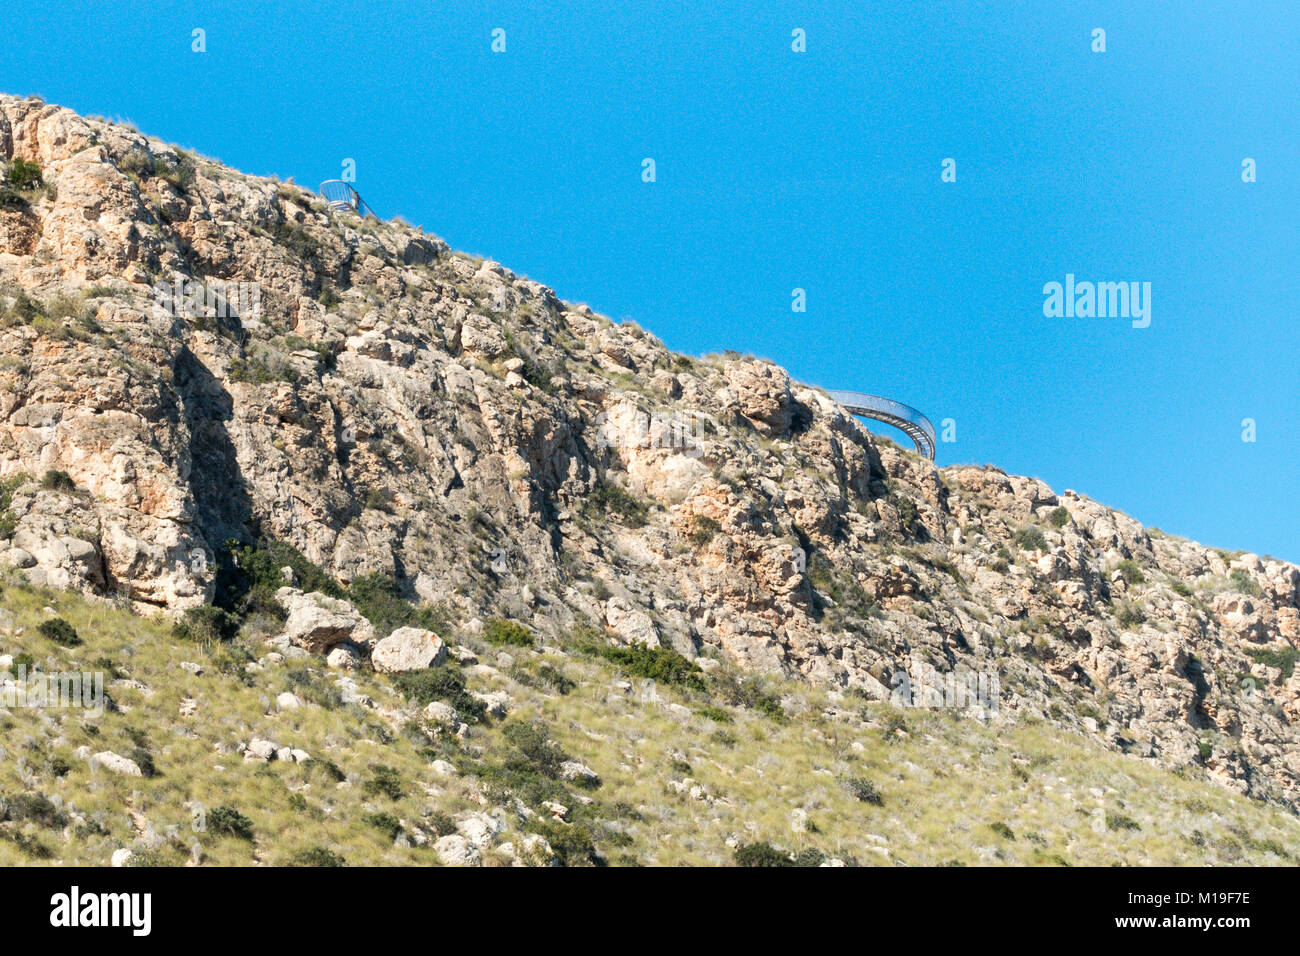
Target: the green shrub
(572, 844)
(617, 501)
(54, 480)
(441, 823)
(144, 760)
(25, 175)
(1118, 821)
(716, 714)
(1059, 517)
(379, 599)
(1030, 538)
(385, 823)
(297, 240)
(441, 683)
(499, 631)
(747, 691)
(1130, 571)
(60, 632)
(532, 740)
(761, 854)
(227, 821)
(1243, 582)
(703, 529)
(384, 781)
(660, 664)
(206, 624)
(907, 513)
(316, 856)
(1002, 830)
(35, 807)
(863, 790)
(1283, 659)
(1129, 615)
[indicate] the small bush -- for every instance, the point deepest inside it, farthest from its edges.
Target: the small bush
(863, 790)
(1129, 615)
(498, 631)
(1030, 538)
(206, 624)
(1130, 571)
(227, 821)
(619, 502)
(1283, 659)
(384, 781)
(1059, 517)
(25, 175)
(716, 714)
(54, 480)
(441, 683)
(316, 856)
(1244, 583)
(761, 854)
(1118, 821)
(385, 823)
(1002, 830)
(60, 632)
(703, 529)
(660, 664)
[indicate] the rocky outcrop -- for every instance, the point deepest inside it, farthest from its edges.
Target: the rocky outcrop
(408, 649)
(388, 407)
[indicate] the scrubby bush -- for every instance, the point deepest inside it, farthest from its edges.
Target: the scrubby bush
(1284, 658)
(206, 624)
(379, 599)
(761, 854)
(1002, 830)
(1059, 516)
(385, 823)
(1129, 615)
(660, 664)
(1030, 538)
(499, 631)
(54, 480)
(385, 781)
(24, 174)
(863, 790)
(316, 856)
(703, 529)
(60, 632)
(614, 500)
(227, 821)
(443, 683)
(1130, 571)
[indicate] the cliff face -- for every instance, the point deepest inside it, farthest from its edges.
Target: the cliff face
(386, 405)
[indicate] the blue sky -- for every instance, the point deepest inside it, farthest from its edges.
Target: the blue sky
(818, 170)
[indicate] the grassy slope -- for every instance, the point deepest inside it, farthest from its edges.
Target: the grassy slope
(949, 785)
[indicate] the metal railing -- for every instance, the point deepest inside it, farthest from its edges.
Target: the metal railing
(341, 197)
(903, 417)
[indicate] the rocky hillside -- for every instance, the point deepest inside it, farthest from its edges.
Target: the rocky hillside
(406, 426)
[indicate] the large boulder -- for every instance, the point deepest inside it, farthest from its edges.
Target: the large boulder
(408, 649)
(317, 622)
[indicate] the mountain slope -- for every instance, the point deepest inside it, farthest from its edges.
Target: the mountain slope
(406, 416)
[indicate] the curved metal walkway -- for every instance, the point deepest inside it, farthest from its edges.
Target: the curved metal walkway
(903, 417)
(341, 197)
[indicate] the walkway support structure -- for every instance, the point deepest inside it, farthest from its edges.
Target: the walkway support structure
(903, 417)
(341, 197)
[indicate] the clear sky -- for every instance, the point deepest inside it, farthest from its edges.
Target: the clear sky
(818, 170)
